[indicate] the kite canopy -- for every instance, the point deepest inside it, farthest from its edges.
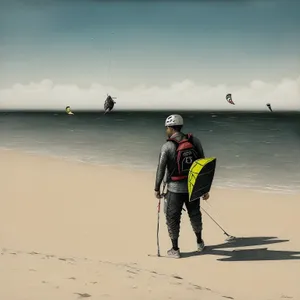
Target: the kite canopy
(269, 106)
(229, 99)
(109, 104)
(68, 110)
(200, 177)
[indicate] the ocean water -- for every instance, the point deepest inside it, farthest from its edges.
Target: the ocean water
(259, 151)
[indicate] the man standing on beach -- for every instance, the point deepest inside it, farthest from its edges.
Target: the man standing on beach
(177, 193)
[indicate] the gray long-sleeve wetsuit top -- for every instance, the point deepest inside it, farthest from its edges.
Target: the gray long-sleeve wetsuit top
(167, 160)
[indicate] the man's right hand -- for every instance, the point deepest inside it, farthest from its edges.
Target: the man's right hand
(205, 196)
(157, 194)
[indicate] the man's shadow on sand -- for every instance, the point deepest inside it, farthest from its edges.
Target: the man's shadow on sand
(255, 254)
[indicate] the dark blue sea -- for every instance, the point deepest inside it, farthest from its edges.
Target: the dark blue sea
(259, 151)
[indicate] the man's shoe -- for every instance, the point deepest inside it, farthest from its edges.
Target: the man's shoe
(200, 246)
(173, 253)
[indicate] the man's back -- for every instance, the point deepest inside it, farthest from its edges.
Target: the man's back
(167, 162)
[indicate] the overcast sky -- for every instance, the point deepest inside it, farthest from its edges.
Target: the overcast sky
(182, 53)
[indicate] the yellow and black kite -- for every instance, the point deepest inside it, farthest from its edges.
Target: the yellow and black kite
(201, 177)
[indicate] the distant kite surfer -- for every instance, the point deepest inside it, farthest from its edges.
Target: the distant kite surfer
(229, 99)
(269, 106)
(109, 104)
(68, 110)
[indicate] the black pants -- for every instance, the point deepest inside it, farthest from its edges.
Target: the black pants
(173, 208)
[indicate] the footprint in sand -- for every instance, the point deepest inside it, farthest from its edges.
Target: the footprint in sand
(132, 272)
(85, 295)
(197, 287)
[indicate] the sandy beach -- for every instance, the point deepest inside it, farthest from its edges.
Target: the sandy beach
(74, 231)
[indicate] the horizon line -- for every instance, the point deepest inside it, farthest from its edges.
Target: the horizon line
(80, 111)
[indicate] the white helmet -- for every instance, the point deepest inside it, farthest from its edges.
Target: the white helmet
(174, 120)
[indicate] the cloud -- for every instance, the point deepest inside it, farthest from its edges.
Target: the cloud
(284, 95)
